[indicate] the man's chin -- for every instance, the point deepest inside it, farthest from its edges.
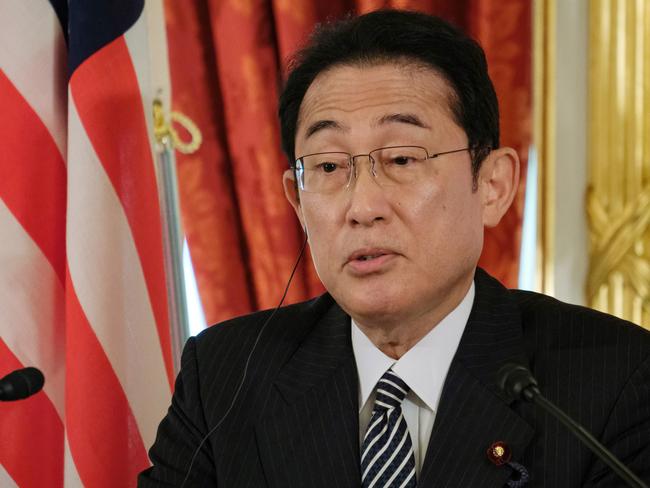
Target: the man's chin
(373, 308)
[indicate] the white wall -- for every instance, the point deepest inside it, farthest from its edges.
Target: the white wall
(571, 237)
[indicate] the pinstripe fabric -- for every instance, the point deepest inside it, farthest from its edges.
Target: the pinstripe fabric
(288, 429)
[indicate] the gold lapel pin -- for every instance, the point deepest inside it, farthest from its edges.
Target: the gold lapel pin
(499, 453)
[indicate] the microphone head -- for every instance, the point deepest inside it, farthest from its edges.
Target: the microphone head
(517, 382)
(21, 383)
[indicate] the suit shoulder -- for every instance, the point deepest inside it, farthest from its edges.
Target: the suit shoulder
(285, 324)
(252, 347)
(538, 303)
(564, 325)
(544, 308)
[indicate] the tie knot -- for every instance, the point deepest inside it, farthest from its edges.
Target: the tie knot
(391, 391)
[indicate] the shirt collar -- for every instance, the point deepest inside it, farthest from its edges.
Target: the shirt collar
(424, 367)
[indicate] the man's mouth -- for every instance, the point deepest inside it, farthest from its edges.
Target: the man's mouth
(368, 254)
(369, 261)
(368, 257)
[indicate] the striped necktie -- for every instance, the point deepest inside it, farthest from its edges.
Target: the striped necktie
(387, 458)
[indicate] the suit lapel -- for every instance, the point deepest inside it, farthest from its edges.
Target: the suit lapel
(473, 413)
(311, 437)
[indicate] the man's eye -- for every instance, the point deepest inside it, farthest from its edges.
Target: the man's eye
(328, 167)
(402, 160)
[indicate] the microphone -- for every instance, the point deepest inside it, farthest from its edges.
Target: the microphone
(518, 383)
(20, 384)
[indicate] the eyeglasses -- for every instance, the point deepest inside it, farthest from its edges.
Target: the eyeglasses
(329, 172)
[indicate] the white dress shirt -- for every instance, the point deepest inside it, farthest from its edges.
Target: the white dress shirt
(424, 368)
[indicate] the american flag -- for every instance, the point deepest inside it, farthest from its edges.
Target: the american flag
(82, 286)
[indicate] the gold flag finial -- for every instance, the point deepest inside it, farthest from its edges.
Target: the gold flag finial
(164, 130)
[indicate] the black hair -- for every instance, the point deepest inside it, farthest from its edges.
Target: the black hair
(385, 36)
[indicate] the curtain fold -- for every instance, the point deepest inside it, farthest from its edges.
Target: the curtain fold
(209, 202)
(227, 62)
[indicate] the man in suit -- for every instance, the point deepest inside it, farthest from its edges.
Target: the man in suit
(391, 124)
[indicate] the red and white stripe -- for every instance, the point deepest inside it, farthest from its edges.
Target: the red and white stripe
(32, 226)
(82, 289)
(33, 56)
(119, 356)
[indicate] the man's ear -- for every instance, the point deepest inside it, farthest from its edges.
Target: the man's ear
(498, 183)
(291, 192)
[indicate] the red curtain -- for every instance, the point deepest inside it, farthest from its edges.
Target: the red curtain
(227, 60)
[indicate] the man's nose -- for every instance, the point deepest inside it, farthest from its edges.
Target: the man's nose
(368, 203)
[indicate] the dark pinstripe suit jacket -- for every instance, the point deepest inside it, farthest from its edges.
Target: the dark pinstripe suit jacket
(295, 421)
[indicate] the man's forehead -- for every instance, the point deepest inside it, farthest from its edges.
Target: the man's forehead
(344, 89)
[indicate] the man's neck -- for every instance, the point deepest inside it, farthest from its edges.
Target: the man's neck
(394, 336)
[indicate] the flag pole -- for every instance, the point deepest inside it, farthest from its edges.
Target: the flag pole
(166, 141)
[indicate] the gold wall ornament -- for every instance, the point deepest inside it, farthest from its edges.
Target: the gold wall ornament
(618, 200)
(164, 130)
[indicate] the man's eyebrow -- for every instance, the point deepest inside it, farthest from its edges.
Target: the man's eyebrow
(403, 118)
(320, 125)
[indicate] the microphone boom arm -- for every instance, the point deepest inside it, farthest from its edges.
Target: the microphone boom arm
(596, 447)
(518, 382)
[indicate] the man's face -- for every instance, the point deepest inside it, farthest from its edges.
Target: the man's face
(399, 252)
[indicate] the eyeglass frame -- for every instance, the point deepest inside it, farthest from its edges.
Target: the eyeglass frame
(370, 158)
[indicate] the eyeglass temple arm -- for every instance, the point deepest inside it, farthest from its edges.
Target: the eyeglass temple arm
(448, 152)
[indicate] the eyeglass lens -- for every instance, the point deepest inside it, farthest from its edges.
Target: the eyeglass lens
(329, 172)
